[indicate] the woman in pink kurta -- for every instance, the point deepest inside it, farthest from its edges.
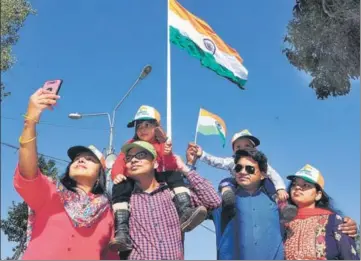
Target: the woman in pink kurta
(70, 218)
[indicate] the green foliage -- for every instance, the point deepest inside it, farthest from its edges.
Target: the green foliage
(323, 40)
(13, 16)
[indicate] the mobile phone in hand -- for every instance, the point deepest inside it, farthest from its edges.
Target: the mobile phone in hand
(53, 86)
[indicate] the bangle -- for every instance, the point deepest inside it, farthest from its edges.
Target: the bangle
(29, 118)
(26, 141)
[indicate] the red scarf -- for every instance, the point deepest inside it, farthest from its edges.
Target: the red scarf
(310, 212)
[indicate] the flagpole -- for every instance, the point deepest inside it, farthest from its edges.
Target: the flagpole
(196, 135)
(169, 104)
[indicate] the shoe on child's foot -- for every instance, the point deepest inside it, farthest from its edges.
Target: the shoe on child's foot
(287, 212)
(121, 241)
(189, 216)
(228, 199)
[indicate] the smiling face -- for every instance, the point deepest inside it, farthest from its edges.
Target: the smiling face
(85, 167)
(304, 194)
(138, 161)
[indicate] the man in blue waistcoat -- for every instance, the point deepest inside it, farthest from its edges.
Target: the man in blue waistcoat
(252, 229)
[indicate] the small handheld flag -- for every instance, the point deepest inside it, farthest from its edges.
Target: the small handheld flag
(210, 124)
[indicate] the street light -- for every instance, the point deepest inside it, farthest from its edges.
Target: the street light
(110, 155)
(146, 70)
(75, 116)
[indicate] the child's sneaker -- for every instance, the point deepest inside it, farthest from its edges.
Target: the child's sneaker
(190, 217)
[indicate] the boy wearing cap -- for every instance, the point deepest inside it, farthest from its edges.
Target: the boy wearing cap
(147, 128)
(154, 225)
(276, 189)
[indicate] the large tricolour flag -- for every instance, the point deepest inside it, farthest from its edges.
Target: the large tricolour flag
(211, 124)
(196, 37)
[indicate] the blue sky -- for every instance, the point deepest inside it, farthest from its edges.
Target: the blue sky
(99, 48)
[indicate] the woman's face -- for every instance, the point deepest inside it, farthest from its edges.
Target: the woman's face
(145, 131)
(85, 168)
(304, 194)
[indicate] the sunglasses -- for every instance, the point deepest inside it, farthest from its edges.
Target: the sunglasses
(139, 156)
(249, 169)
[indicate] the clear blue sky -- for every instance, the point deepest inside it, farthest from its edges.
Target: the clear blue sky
(99, 48)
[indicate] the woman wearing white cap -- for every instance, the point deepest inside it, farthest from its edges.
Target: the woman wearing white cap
(71, 218)
(314, 234)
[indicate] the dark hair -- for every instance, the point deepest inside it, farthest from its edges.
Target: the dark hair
(256, 155)
(326, 202)
(152, 121)
(70, 184)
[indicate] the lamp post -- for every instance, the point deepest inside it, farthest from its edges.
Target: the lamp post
(110, 155)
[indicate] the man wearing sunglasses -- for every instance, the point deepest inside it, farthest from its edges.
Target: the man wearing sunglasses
(253, 231)
(154, 225)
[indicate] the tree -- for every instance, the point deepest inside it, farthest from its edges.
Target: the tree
(323, 40)
(13, 16)
(14, 226)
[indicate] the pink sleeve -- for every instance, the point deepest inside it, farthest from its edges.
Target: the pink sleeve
(35, 192)
(170, 162)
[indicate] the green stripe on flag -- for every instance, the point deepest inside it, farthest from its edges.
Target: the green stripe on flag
(208, 130)
(222, 137)
(212, 130)
(206, 59)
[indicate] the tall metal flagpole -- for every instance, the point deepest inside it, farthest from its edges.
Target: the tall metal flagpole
(196, 135)
(169, 96)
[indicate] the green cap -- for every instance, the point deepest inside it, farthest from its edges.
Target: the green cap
(140, 144)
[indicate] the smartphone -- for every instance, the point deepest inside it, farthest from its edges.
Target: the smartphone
(160, 135)
(53, 86)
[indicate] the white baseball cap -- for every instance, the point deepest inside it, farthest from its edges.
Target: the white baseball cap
(246, 134)
(76, 150)
(309, 174)
(145, 112)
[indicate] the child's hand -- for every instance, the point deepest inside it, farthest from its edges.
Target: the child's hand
(119, 178)
(168, 147)
(199, 151)
(191, 153)
(282, 194)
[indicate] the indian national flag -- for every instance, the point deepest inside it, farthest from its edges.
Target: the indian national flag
(196, 37)
(211, 124)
